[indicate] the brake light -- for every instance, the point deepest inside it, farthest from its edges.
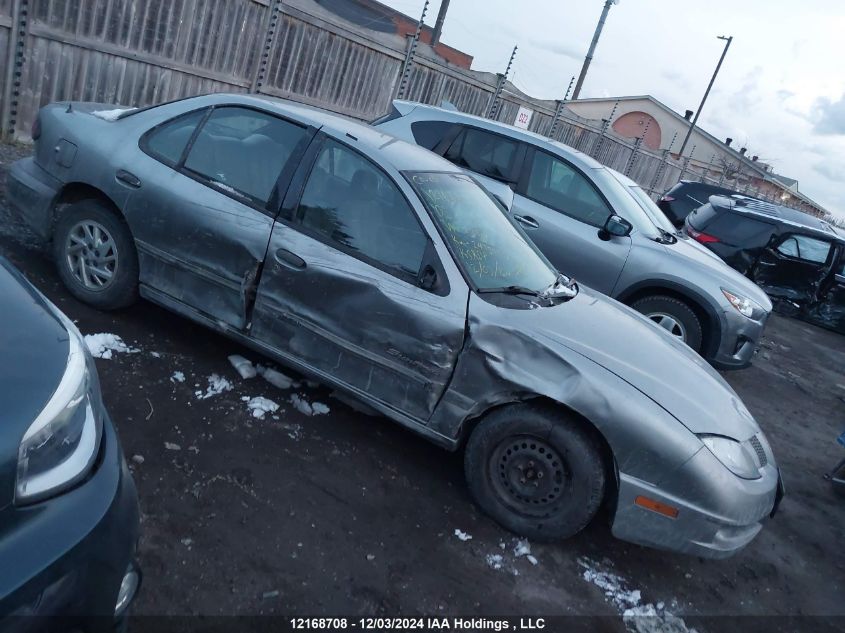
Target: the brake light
(698, 236)
(35, 131)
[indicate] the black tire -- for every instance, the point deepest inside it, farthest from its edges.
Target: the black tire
(678, 310)
(563, 500)
(122, 289)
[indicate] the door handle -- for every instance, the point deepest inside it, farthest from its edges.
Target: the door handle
(289, 260)
(128, 178)
(527, 220)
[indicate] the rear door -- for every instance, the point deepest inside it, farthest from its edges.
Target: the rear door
(206, 190)
(562, 211)
(793, 267)
(347, 287)
(829, 310)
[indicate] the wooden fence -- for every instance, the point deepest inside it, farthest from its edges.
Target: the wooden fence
(140, 52)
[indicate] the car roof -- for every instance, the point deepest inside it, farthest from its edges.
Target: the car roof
(583, 160)
(777, 214)
(400, 154)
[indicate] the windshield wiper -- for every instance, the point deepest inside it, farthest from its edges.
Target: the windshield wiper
(514, 290)
(666, 237)
(563, 287)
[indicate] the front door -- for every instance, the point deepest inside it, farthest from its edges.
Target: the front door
(793, 267)
(204, 203)
(562, 211)
(343, 291)
(829, 310)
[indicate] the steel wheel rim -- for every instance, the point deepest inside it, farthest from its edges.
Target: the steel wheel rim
(529, 475)
(670, 324)
(91, 255)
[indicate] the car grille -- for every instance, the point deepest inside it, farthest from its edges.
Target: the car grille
(757, 445)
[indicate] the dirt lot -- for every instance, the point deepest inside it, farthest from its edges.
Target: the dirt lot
(349, 514)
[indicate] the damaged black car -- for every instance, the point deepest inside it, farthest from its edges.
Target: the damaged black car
(798, 259)
(383, 271)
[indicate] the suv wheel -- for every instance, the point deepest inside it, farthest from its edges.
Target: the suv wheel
(95, 255)
(674, 316)
(536, 472)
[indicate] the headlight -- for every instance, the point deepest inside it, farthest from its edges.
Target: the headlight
(60, 446)
(733, 455)
(743, 305)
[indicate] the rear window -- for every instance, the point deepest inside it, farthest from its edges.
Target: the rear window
(737, 229)
(429, 133)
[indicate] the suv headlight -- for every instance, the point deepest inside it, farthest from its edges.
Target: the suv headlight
(733, 455)
(744, 305)
(60, 446)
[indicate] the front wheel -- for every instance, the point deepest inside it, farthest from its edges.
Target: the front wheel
(674, 316)
(537, 472)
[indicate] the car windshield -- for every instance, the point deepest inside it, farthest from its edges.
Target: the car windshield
(491, 249)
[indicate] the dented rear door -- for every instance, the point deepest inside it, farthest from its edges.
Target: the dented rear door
(355, 288)
(794, 267)
(201, 208)
(829, 310)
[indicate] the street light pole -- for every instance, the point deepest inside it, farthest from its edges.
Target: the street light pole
(438, 24)
(592, 50)
(728, 41)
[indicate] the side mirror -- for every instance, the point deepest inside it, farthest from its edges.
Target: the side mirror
(615, 226)
(428, 278)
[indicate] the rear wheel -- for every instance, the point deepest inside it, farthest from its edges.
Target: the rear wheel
(95, 255)
(537, 472)
(674, 316)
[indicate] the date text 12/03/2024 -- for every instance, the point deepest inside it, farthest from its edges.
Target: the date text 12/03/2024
(418, 624)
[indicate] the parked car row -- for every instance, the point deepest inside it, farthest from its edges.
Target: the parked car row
(796, 258)
(390, 274)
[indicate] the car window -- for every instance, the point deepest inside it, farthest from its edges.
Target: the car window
(483, 152)
(806, 248)
(357, 207)
(242, 151)
(430, 133)
(492, 250)
(166, 142)
(737, 229)
(558, 185)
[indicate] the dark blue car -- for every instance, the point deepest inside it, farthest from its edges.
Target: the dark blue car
(69, 517)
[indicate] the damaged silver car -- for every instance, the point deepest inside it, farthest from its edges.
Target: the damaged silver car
(382, 270)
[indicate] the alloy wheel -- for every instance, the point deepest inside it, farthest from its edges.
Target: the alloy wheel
(91, 254)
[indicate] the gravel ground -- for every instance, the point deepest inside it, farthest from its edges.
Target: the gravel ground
(342, 513)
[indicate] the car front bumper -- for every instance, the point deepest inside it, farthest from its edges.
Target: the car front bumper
(738, 340)
(62, 560)
(718, 513)
(31, 192)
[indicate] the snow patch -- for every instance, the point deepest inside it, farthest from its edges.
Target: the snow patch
(216, 385)
(103, 344)
(302, 405)
(243, 366)
(276, 378)
(463, 536)
(637, 617)
(111, 115)
(259, 406)
(495, 561)
(177, 376)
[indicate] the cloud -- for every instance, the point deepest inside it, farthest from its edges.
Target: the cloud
(833, 171)
(829, 116)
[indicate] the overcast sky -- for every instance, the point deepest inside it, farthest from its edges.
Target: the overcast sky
(780, 92)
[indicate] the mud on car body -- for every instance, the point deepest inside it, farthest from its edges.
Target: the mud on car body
(798, 259)
(380, 269)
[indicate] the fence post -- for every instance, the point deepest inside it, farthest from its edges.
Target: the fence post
(686, 162)
(605, 123)
(271, 26)
(405, 75)
(15, 58)
(662, 166)
(492, 111)
(637, 145)
(559, 109)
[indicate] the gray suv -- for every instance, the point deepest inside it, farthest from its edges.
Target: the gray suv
(597, 225)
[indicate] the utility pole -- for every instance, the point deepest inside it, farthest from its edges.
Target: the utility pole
(438, 25)
(728, 41)
(499, 86)
(409, 55)
(592, 50)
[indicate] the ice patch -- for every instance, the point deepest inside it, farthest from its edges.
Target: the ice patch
(216, 385)
(172, 447)
(103, 344)
(638, 617)
(111, 115)
(307, 408)
(177, 376)
(243, 366)
(463, 536)
(259, 406)
(495, 561)
(275, 378)
(155, 354)
(522, 548)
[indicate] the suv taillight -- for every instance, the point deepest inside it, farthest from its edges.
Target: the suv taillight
(698, 236)
(35, 131)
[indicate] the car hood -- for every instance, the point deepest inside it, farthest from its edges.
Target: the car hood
(700, 257)
(642, 354)
(33, 356)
